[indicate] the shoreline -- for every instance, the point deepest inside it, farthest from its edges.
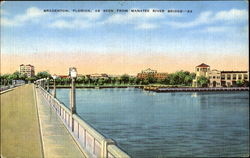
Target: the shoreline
(162, 89)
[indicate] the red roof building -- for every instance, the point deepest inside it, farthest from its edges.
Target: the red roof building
(203, 65)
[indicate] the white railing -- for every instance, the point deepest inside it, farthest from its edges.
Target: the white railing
(92, 143)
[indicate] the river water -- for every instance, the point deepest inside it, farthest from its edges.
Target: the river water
(148, 124)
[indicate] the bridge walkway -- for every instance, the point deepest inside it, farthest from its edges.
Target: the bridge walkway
(20, 133)
(57, 141)
(31, 129)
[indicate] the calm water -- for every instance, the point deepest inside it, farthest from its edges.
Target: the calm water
(148, 124)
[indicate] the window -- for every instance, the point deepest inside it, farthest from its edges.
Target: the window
(239, 76)
(234, 76)
(228, 77)
(218, 77)
(213, 77)
(222, 77)
(245, 76)
(197, 69)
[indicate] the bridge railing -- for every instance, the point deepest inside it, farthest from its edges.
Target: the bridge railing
(92, 143)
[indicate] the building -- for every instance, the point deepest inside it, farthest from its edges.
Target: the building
(200, 70)
(149, 71)
(29, 70)
(220, 78)
(230, 78)
(97, 76)
(153, 73)
(214, 78)
(160, 75)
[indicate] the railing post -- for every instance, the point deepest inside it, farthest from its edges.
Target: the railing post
(48, 84)
(104, 149)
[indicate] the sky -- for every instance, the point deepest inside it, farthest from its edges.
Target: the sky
(215, 33)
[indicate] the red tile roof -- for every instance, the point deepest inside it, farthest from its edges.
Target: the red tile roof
(63, 76)
(203, 65)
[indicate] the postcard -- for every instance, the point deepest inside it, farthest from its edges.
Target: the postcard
(121, 79)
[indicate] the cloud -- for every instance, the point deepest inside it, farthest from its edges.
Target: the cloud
(31, 14)
(61, 24)
(233, 14)
(140, 20)
(208, 17)
(53, 20)
(7, 22)
(77, 23)
(70, 20)
(203, 18)
(146, 26)
(75, 20)
(217, 29)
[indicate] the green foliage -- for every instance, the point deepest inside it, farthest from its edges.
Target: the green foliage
(23, 76)
(125, 78)
(43, 74)
(80, 79)
(30, 79)
(188, 80)
(100, 81)
(202, 81)
(145, 82)
(240, 83)
(177, 78)
(118, 80)
(16, 75)
(150, 79)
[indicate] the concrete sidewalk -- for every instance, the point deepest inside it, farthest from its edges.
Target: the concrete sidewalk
(57, 141)
(20, 133)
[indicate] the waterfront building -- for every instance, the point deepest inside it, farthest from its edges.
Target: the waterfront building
(230, 78)
(97, 76)
(214, 78)
(29, 70)
(153, 73)
(200, 70)
(160, 75)
(220, 78)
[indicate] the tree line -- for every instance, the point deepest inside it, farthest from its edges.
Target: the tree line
(184, 78)
(6, 79)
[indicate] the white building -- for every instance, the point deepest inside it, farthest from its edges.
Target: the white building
(29, 70)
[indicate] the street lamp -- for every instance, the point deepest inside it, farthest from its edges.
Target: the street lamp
(54, 78)
(73, 75)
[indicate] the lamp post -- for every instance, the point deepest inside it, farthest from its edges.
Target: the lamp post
(73, 75)
(54, 78)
